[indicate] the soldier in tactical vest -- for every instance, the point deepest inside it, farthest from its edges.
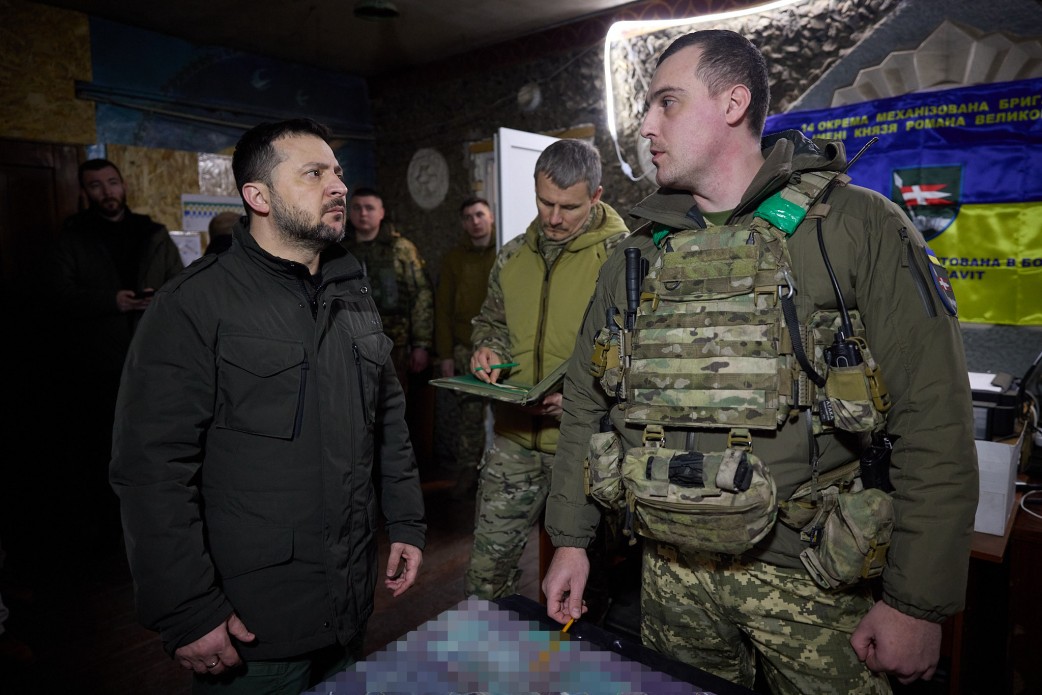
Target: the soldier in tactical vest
(401, 289)
(742, 360)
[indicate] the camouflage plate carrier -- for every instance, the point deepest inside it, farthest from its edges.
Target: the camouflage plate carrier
(709, 347)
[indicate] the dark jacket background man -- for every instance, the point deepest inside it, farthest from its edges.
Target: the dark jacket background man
(258, 404)
(107, 262)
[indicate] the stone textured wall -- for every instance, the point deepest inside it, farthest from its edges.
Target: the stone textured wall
(451, 105)
(450, 115)
(43, 51)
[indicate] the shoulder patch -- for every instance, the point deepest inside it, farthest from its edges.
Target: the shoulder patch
(942, 284)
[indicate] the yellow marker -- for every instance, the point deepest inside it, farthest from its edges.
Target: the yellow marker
(568, 625)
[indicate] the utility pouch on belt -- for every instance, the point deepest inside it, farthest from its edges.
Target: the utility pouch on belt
(855, 530)
(604, 471)
(721, 502)
(801, 508)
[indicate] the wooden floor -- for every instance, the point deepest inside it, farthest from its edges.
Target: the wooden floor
(79, 621)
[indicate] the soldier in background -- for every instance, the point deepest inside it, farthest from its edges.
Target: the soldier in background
(220, 231)
(400, 285)
(462, 286)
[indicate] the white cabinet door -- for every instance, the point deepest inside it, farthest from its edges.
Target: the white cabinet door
(516, 155)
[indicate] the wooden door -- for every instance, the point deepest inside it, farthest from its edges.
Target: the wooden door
(38, 189)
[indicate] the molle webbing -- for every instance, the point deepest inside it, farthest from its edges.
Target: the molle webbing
(705, 349)
(709, 346)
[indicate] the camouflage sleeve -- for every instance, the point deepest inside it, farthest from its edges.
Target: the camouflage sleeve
(489, 327)
(612, 243)
(413, 275)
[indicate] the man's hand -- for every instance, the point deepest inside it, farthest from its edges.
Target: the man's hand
(550, 406)
(214, 651)
(447, 367)
(564, 584)
(418, 360)
(403, 564)
(889, 641)
(125, 301)
(481, 362)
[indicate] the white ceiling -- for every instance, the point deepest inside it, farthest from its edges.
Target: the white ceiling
(325, 33)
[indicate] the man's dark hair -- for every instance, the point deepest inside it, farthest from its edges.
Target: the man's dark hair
(97, 165)
(366, 192)
(255, 156)
(472, 200)
(568, 162)
(727, 59)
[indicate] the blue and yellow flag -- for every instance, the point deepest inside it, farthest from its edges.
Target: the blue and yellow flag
(966, 165)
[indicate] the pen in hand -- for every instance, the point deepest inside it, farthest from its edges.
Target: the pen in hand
(504, 365)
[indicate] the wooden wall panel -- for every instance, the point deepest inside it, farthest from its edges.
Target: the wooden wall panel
(43, 51)
(156, 179)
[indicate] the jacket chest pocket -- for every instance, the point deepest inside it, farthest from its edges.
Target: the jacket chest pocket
(361, 332)
(260, 385)
(370, 353)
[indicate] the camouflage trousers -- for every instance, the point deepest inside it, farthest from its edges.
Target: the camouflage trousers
(714, 612)
(513, 483)
(470, 435)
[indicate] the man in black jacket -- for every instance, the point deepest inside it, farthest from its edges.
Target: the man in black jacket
(106, 264)
(258, 393)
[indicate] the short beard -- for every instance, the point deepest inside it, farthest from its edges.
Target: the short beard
(295, 229)
(99, 210)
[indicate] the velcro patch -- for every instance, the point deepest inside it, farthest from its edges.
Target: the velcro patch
(942, 283)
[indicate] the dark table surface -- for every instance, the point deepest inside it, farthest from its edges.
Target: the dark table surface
(511, 646)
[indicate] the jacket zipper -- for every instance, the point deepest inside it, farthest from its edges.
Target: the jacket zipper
(537, 356)
(361, 382)
(917, 276)
(300, 398)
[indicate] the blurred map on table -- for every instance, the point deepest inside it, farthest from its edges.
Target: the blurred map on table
(478, 647)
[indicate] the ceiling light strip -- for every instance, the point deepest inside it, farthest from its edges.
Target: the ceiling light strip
(630, 29)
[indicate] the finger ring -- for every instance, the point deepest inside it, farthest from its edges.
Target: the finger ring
(214, 664)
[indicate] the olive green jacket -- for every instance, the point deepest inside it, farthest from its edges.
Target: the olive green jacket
(462, 286)
(533, 309)
(878, 257)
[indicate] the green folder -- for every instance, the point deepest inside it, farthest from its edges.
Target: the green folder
(509, 392)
